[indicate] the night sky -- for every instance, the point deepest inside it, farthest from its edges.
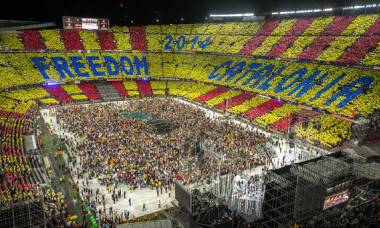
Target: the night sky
(145, 12)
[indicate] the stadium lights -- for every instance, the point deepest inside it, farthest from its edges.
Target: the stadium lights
(233, 15)
(327, 9)
(361, 6)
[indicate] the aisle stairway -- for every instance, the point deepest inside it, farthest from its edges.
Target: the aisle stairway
(107, 90)
(37, 174)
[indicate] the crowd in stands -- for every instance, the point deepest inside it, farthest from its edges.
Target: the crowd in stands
(15, 186)
(72, 39)
(158, 87)
(27, 94)
(222, 97)
(49, 101)
(87, 87)
(55, 90)
(341, 39)
(214, 93)
(131, 88)
(262, 109)
(71, 88)
(271, 113)
(199, 69)
(302, 38)
(277, 114)
(328, 130)
(144, 87)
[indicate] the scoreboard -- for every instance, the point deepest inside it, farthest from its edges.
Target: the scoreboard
(78, 23)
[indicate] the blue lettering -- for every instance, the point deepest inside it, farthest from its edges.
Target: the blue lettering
(349, 92)
(232, 72)
(226, 64)
(62, 67)
(260, 75)
(336, 80)
(308, 84)
(251, 68)
(122, 60)
(42, 68)
(78, 66)
(141, 63)
(266, 84)
(300, 72)
(95, 66)
(111, 61)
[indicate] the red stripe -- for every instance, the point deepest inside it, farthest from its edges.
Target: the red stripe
(144, 87)
(374, 29)
(334, 28)
(87, 87)
(262, 109)
(282, 46)
(256, 40)
(359, 50)
(252, 45)
(316, 47)
(32, 40)
(213, 93)
(268, 28)
(94, 96)
(337, 25)
(361, 46)
(282, 124)
(300, 27)
(138, 38)
(118, 86)
(106, 40)
(63, 99)
(235, 100)
(292, 35)
(55, 90)
(72, 40)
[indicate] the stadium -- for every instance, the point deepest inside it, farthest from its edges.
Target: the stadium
(267, 119)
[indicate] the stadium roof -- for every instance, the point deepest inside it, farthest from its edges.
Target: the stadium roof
(10, 26)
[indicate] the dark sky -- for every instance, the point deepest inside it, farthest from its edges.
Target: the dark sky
(143, 12)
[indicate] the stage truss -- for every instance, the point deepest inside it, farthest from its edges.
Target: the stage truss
(28, 214)
(299, 193)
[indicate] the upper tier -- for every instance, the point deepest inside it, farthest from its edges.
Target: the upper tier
(333, 88)
(340, 39)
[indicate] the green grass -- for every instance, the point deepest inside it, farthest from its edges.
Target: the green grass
(150, 217)
(47, 142)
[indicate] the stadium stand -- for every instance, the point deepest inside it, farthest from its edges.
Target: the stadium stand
(210, 95)
(15, 182)
(334, 39)
(32, 40)
(328, 72)
(72, 40)
(144, 87)
(55, 90)
(106, 40)
(87, 87)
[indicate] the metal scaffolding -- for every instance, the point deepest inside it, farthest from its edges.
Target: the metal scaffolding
(279, 199)
(298, 192)
(28, 214)
(358, 132)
